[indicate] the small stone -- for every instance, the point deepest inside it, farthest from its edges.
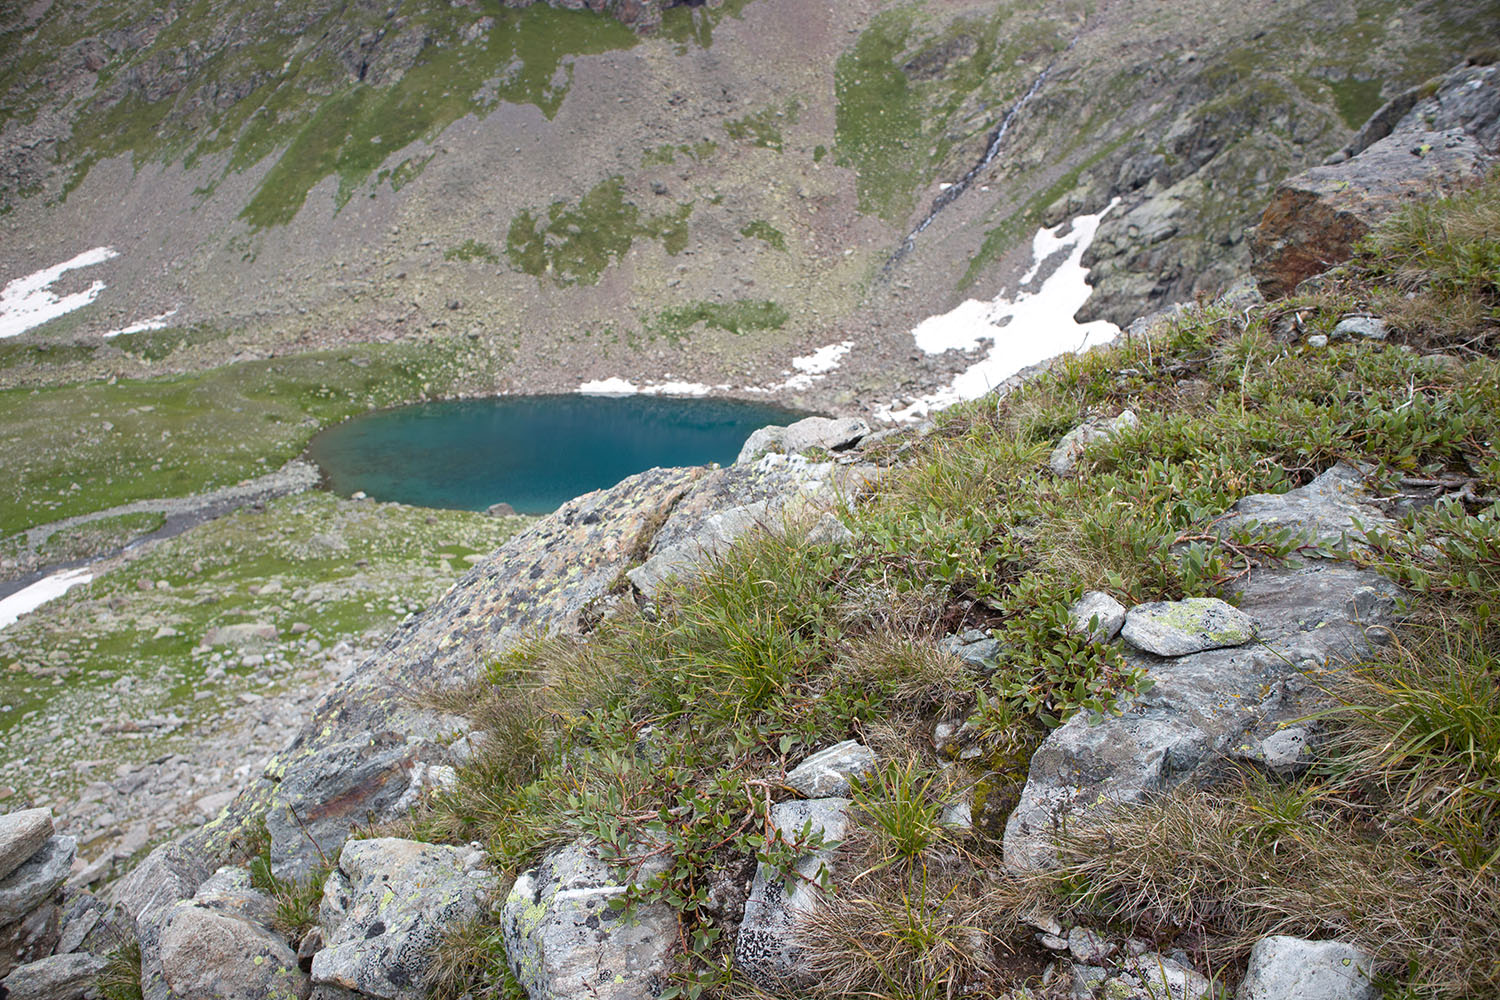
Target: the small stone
(1282, 968)
(22, 834)
(1088, 947)
(1177, 628)
(827, 772)
(1065, 456)
(1363, 327)
(1098, 615)
(1317, 340)
(1053, 942)
(974, 646)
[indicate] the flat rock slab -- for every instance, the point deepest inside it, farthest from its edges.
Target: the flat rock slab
(766, 947)
(1178, 628)
(564, 939)
(57, 977)
(1288, 968)
(36, 879)
(827, 772)
(22, 834)
(385, 910)
(1333, 510)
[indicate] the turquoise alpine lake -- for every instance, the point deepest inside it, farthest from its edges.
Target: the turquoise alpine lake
(532, 452)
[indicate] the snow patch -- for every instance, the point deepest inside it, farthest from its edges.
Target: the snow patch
(30, 598)
(1021, 332)
(29, 302)
(815, 366)
(614, 386)
(150, 323)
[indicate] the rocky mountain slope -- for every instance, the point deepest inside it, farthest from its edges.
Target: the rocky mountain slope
(704, 201)
(960, 708)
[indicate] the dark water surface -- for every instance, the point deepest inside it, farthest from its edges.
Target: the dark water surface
(532, 452)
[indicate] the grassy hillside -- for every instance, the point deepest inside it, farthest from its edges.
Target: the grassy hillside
(786, 645)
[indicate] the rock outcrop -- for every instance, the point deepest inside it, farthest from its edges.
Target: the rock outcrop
(39, 941)
(1203, 706)
(1441, 144)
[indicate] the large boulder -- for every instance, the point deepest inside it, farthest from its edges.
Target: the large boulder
(827, 433)
(1207, 706)
(1288, 968)
(22, 834)
(385, 910)
(565, 940)
(1441, 144)
(170, 874)
(766, 948)
(209, 954)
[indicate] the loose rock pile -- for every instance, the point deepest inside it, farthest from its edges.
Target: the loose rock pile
(45, 948)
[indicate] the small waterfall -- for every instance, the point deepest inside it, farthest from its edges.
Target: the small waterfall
(949, 196)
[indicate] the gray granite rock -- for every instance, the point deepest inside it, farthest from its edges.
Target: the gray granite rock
(211, 954)
(1361, 328)
(766, 948)
(830, 434)
(385, 909)
(1327, 511)
(1097, 615)
(827, 772)
(974, 646)
(170, 874)
(1140, 977)
(1177, 628)
(1065, 456)
(22, 834)
(1288, 968)
(56, 977)
(36, 879)
(564, 940)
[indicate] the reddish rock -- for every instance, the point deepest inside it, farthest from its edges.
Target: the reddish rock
(1316, 217)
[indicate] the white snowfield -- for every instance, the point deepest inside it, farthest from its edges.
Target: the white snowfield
(29, 301)
(1022, 332)
(30, 598)
(150, 323)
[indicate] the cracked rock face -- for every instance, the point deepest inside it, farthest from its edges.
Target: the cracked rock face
(22, 834)
(36, 879)
(565, 940)
(384, 912)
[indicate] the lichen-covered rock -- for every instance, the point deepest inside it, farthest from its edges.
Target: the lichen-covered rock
(564, 940)
(1097, 615)
(29, 939)
(22, 834)
(56, 977)
(1065, 456)
(1206, 705)
(1288, 968)
(728, 503)
(827, 772)
(334, 787)
(35, 880)
(766, 947)
(385, 910)
(1178, 628)
(170, 874)
(209, 954)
